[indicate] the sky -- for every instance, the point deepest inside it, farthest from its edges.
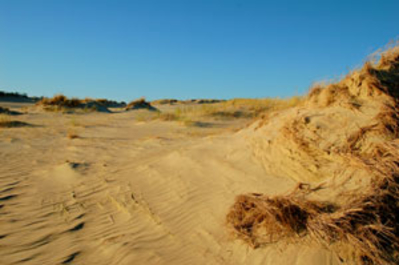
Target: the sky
(125, 49)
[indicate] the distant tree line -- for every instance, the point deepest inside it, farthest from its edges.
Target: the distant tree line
(22, 96)
(13, 94)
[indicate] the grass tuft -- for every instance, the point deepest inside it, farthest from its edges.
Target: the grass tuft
(140, 104)
(61, 103)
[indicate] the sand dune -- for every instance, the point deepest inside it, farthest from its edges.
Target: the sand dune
(341, 147)
(128, 192)
(105, 188)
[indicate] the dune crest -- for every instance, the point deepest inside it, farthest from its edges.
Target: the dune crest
(341, 145)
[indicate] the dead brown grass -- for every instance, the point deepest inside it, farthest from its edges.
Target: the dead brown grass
(366, 220)
(109, 103)
(61, 101)
(140, 104)
(259, 219)
(369, 222)
(63, 104)
(165, 101)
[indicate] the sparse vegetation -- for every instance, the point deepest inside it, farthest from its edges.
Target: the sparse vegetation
(185, 102)
(164, 101)
(260, 219)
(140, 104)
(108, 103)
(230, 109)
(63, 104)
(367, 220)
(61, 101)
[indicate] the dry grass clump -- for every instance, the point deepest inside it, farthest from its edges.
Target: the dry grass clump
(62, 103)
(185, 102)
(386, 126)
(367, 220)
(109, 103)
(388, 118)
(140, 104)
(164, 101)
(206, 101)
(259, 219)
(374, 80)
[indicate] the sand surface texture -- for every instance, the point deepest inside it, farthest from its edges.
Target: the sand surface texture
(129, 192)
(317, 183)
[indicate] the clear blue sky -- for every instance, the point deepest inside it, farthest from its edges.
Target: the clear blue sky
(186, 48)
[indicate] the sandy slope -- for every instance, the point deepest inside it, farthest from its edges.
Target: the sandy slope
(127, 192)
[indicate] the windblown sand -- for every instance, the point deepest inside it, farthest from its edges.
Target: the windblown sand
(312, 183)
(129, 192)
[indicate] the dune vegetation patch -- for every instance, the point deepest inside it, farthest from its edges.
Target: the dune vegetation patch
(185, 102)
(198, 112)
(363, 109)
(227, 110)
(61, 103)
(140, 104)
(165, 101)
(109, 103)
